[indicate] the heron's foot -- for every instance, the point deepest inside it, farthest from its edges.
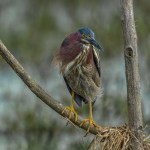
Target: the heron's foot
(91, 123)
(71, 110)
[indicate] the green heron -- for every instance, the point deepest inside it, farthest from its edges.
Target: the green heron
(79, 63)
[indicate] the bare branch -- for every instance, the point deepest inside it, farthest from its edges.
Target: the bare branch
(132, 73)
(95, 144)
(37, 90)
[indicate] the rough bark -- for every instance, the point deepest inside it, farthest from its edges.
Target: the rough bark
(132, 73)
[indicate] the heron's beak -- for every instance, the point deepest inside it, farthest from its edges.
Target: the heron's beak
(94, 43)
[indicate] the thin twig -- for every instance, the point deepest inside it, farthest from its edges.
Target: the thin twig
(94, 145)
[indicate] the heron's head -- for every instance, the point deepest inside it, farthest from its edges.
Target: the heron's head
(88, 37)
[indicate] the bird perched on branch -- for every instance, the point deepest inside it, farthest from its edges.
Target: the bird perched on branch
(79, 63)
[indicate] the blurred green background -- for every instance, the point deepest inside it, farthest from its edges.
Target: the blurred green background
(33, 30)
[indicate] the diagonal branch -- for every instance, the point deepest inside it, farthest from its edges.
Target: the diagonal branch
(37, 90)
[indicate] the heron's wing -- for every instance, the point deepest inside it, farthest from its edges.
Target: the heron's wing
(96, 55)
(77, 97)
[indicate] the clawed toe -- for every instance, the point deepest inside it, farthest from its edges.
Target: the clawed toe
(91, 123)
(71, 110)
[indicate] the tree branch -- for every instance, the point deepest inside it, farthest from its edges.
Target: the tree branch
(37, 90)
(132, 73)
(95, 144)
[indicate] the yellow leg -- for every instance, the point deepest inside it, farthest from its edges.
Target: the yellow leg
(90, 119)
(71, 108)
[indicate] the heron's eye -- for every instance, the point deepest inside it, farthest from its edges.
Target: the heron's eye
(84, 36)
